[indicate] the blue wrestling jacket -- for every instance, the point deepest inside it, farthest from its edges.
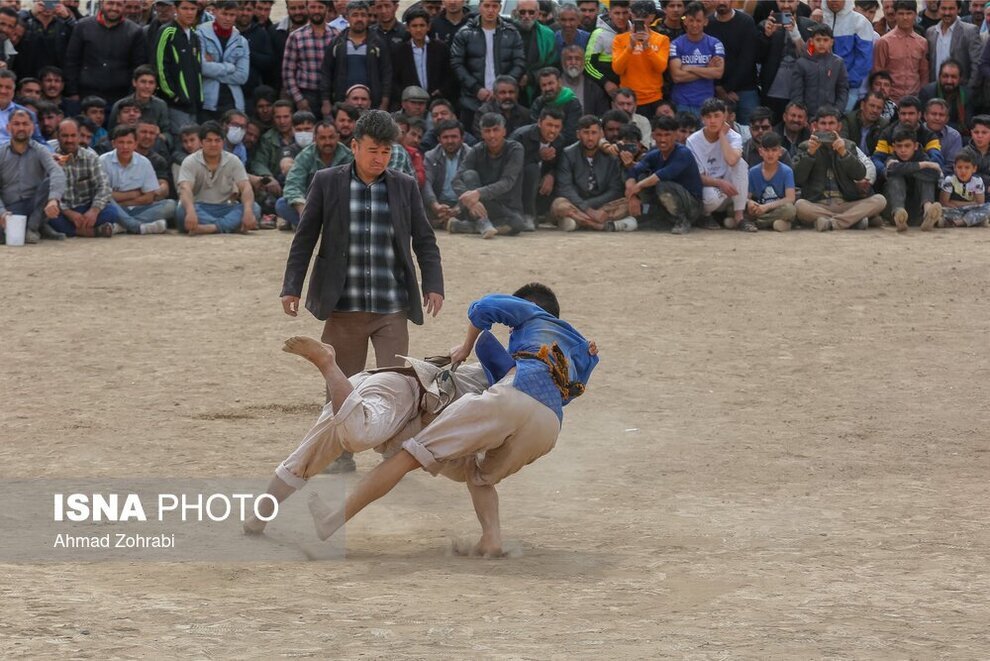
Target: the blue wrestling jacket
(551, 358)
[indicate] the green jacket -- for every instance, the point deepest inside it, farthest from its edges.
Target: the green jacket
(306, 165)
(266, 156)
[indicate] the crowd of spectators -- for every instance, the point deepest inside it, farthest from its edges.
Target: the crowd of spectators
(136, 116)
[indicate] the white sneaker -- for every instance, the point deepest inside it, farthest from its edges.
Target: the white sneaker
(119, 229)
(156, 227)
(627, 224)
(567, 224)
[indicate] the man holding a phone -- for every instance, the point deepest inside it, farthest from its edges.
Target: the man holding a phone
(639, 58)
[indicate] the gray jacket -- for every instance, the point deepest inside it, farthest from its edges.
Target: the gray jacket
(501, 178)
(820, 80)
(435, 164)
(965, 47)
(572, 178)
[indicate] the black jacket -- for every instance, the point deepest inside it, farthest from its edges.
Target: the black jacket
(333, 85)
(529, 138)
(180, 70)
(101, 60)
(39, 47)
(467, 57)
(262, 57)
(572, 178)
(439, 82)
(771, 51)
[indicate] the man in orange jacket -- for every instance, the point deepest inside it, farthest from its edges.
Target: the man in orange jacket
(639, 57)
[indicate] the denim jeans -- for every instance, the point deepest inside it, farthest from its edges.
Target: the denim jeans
(227, 217)
(62, 224)
(748, 99)
(285, 210)
(133, 217)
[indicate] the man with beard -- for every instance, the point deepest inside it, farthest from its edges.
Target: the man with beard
(302, 61)
(539, 45)
(325, 152)
(31, 182)
(87, 208)
(344, 117)
(570, 32)
(594, 100)
(952, 39)
(949, 87)
(387, 27)
(793, 127)
(759, 125)
(909, 111)
(554, 95)
(542, 142)
(504, 102)
(589, 15)
(442, 110)
(358, 56)
(441, 164)
(102, 52)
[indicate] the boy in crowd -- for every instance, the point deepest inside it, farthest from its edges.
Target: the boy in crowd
(188, 143)
(963, 195)
(911, 181)
(820, 78)
(771, 188)
(94, 108)
(979, 142)
(686, 125)
(717, 150)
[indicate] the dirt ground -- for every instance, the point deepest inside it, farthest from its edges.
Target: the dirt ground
(783, 453)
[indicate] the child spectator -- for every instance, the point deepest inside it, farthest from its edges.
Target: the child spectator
(911, 179)
(820, 77)
(771, 188)
(686, 125)
(979, 142)
(963, 195)
(94, 108)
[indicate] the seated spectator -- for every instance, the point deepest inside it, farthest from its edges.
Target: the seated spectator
(303, 126)
(760, 122)
(52, 88)
(441, 110)
(908, 116)
(421, 61)
(590, 185)
(414, 103)
(612, 123)
(829, 175)
(94, 108)
(151, 145)
(670, 172)
(262, 107)
(327, 151)
(151, 107)
(687, 124)
(730, 119)
(215, 193)
(553, 95)
(667, 108)
(138, 194)
(359, 96)
(630, 146)
(504, 101)
(87, 206)
(793, 127)
(594, 100)
(344, 117)
(903, 52)
(911, 182)
(29, 88)
(188, 144)
(51, 117)
(979, 143)
(820, 77)
(8, 80)
(86, 130)
(441, 164)
(717, 150)
(771, 189)
(958, 99)
(697, 60)
(863, 125)
(539, 47)
(268, 155)
(881, 83)
(542, 144)
(963, 196)
(626, 101)
(639, 58)
(410, 134)
(949, 139)
(31, 182)
(489, 183)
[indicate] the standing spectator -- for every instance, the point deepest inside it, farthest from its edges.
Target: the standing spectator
(452, 18)
(781, 44)
(152, 108)
(854, 45)
(554, 95)
(771, 188)
(226, 61)
(262, 54)
(421, 61)
(542, 143)
(590, 12)
(262, 16)
(737, 32)
(793, 127)
(598, 55)
(87, 208)
(302, 61)
(539, 46)
(671, 26)
(639, 57)
(327, 151)
(505, 102)
(377, 217)
(949, 139)
(215, 194)
(31, 182)
(952, 39)
(864, 125)
(820, 77)
(930, 15)
(486, 48)
(957, 97)
(164, 13)
(717, 150)
(138, 194)
(697, 60)
(358, 56)
(177, 61)
(386, 26)
(45, 41)
(828, 173)
(590, 185)
(570, 32)
(8, 28)
(102, 53)
(441, 165)
(594, 100)
(903, 53)
(489, 183)
(979, 142)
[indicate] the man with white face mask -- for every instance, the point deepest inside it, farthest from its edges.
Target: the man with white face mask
(326, 151)
(303, 123)
(594, 100)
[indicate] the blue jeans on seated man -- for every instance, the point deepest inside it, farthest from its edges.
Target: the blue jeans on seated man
(227, 217)
(62, 224)
(134, 216)
(285, 210)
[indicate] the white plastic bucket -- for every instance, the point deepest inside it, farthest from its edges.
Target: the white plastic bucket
(16, 226)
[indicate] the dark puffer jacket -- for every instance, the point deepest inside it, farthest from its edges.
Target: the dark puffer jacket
(467, 57)
(101, 60)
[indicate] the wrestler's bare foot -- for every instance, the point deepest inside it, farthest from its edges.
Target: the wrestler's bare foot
(321, 355)
(325, 519)
(488, 547)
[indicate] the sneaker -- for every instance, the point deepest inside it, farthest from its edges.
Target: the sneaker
(156, 227)
(782, 226)
(32, 236)
(933, 214)
(47, 233)
(486, 229)
(710, 223)
(120, 229)
(823, 224)
(875, 221)
(567, 224)
(104, 231)
(862, 224)
(627, 224)
(748, 226)
(901, 219)
(458, 226)
(283, 225)
(682, 227)
(529, 224)
(267, 222)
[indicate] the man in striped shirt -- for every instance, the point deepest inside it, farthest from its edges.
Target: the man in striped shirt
(303, 58)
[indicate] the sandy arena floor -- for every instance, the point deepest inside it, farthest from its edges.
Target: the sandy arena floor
(782, 455)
